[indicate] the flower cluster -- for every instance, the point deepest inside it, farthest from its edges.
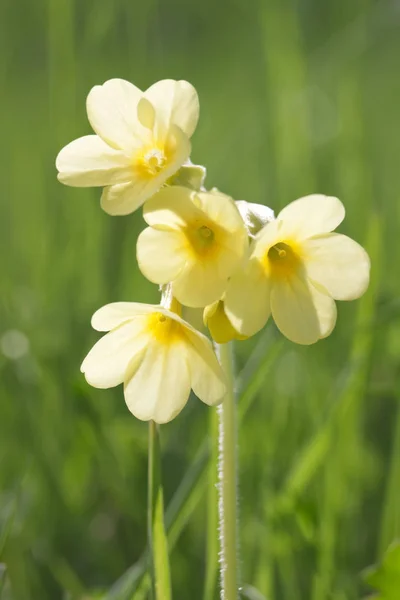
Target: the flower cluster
(234, 260)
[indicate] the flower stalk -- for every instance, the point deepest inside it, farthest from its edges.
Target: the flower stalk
(227, 476)
(157, 539)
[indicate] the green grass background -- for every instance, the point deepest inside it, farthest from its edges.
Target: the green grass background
(296, 97)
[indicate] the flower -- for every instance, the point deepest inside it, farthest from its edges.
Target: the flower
(158, 356)
(195, 241)
(219, 326)
(296, 269)
(143, 138)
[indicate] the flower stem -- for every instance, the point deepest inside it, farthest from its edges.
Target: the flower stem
(157, 539)
(227, 475)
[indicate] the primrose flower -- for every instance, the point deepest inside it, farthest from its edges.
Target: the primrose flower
(296, 269)
(157, 356)
(143, 138)
(195, 241)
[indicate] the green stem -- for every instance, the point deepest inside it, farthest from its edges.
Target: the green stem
(211, 575)
(227, 474)
(157, 539)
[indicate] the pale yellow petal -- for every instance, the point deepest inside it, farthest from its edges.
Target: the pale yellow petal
(175, 103)
(303, 313)
(177, 149)
(199, 284)
(88, 161)
(338, 263)
(146, 113)
(206, 376)
(112, 112)
(311, 215)
(170, 208)
(161, 254)
(218, 324)
(247, 299)
(221, 209)
(125, 198)
(158, 386)
(112, 315)
(108, 360)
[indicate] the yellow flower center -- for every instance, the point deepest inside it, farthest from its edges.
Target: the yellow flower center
(164, 329)
(201, 239)
(283, 260)
(150, 162)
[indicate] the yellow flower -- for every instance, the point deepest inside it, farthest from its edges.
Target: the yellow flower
(297, 268)
(142, 140)
(195, 241)
(221, 329)
(157, 356)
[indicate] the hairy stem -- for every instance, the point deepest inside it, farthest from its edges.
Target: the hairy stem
(227, 476)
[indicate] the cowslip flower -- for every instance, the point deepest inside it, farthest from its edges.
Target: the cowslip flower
(142, 139)
(296, 269)
(195, 241)
(158, 357)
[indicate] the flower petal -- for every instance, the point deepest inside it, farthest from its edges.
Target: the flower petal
(108, 360)
(112, 112)
(247, 303)
(160, 254)
(171, 208)
(219, 325)
(338, 263)
(175, 103)
(221, 209)
(303, 313)
(311, 215)
(125, 198)
(146, 113)
(199, 284)
(112, 315)
(88, 161)
(206, 375)
(158, 386)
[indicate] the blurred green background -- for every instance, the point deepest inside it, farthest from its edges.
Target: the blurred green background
(296, 97)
